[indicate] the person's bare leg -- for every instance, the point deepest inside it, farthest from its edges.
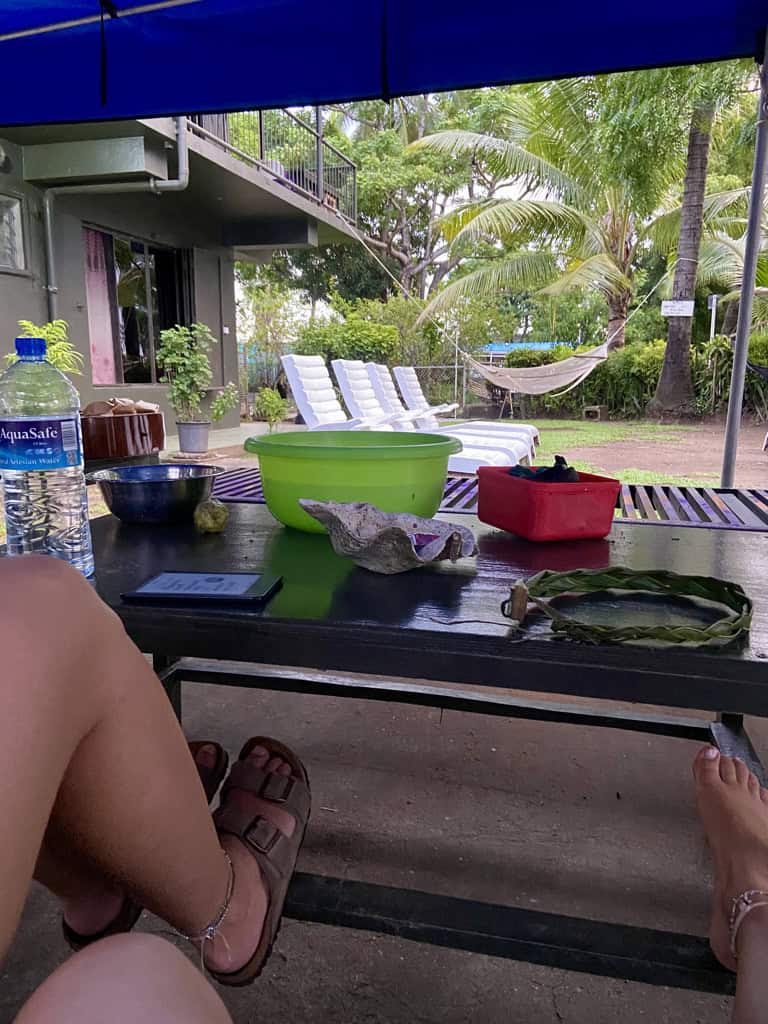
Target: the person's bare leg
(734, 811)
(90, 900)
(124, 980)
(88, 741)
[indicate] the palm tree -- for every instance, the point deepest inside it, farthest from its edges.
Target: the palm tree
(572, 222)
(674, 391)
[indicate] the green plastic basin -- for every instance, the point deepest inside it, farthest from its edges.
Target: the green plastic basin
(396, 472)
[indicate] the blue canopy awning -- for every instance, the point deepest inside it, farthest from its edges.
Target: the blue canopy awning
(61, 63)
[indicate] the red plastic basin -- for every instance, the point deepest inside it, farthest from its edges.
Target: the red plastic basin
(542, 511)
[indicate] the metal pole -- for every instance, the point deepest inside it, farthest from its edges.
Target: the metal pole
(751, 249)
(713, 318)
(319, 170)
(262, 147)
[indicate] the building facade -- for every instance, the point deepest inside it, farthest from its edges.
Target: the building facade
(126, 228)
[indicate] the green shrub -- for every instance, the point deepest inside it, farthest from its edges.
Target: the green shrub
(712, 365)
(270, 406)
(353, 338)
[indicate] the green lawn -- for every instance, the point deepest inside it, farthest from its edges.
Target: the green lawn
(562, 435)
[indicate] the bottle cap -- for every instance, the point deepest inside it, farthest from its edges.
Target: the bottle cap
(30, 348)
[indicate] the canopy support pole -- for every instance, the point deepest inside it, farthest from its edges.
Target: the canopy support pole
(751, 251)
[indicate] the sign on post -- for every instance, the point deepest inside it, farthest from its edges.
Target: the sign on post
(677, 307)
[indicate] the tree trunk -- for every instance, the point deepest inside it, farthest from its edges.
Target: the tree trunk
(674, 392)
(618, 307)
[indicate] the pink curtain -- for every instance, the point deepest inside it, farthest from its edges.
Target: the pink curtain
(99, 310)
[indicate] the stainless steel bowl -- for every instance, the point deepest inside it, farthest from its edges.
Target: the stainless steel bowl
(161, 493)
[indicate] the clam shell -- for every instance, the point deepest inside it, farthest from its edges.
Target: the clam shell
(389, 542)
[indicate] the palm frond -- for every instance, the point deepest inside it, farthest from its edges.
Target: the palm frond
(599, 272)
(504, 158)
(722, 211)
(525, 271)
(721, 261)
(506, 218)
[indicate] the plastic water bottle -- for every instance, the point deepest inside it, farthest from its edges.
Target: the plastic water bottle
(41, 460)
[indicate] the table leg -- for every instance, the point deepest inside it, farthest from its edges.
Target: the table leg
(731, 738)
(162, 664)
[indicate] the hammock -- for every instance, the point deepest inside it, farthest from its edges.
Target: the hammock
(540, 380)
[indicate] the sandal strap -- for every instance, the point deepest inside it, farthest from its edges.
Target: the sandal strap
(291, 793)
(273, 849)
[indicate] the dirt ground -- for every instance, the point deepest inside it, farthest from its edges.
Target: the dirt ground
(696, 452)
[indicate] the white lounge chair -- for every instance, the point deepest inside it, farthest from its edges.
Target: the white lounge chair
(315, 396)
(361, 400)
(316, 400)
(415, 399)
(491, 432)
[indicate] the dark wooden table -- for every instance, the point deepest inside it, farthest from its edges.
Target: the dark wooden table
(333, 622)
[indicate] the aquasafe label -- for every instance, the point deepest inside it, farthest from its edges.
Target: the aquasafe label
(40, 444)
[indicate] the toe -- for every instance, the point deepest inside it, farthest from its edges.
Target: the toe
(285, 769)
(753, 784)
(728, 770)
(205, 756)
(274, 764)
(742, 772)
(259, 756)
(706, 766)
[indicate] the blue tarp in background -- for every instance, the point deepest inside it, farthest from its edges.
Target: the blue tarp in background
(217, 55)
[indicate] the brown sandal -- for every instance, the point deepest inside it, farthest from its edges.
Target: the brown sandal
(274, 852)
(130, 912)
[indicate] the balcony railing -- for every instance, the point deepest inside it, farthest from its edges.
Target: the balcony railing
(290, 151)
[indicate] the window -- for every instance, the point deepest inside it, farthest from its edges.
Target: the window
(134, 291)
(11, 234)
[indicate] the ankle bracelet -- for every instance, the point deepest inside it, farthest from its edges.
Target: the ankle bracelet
(211, 930)
(742, 905)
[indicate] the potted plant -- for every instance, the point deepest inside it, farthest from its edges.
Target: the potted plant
(60, 351)
(183, 357)
(270, 406)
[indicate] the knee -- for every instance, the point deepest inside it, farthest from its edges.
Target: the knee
(35, 578)
(137, 953)
(43, 596)
(126, 978)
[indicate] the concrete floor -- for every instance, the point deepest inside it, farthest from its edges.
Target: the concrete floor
(576, 821)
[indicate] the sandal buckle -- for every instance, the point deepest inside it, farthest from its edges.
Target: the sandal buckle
(277, 788)
(262, 835)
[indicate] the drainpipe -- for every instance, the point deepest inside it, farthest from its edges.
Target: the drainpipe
(177, 184)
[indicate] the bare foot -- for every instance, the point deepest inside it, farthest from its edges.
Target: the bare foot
(240, 933)
(734, 811)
